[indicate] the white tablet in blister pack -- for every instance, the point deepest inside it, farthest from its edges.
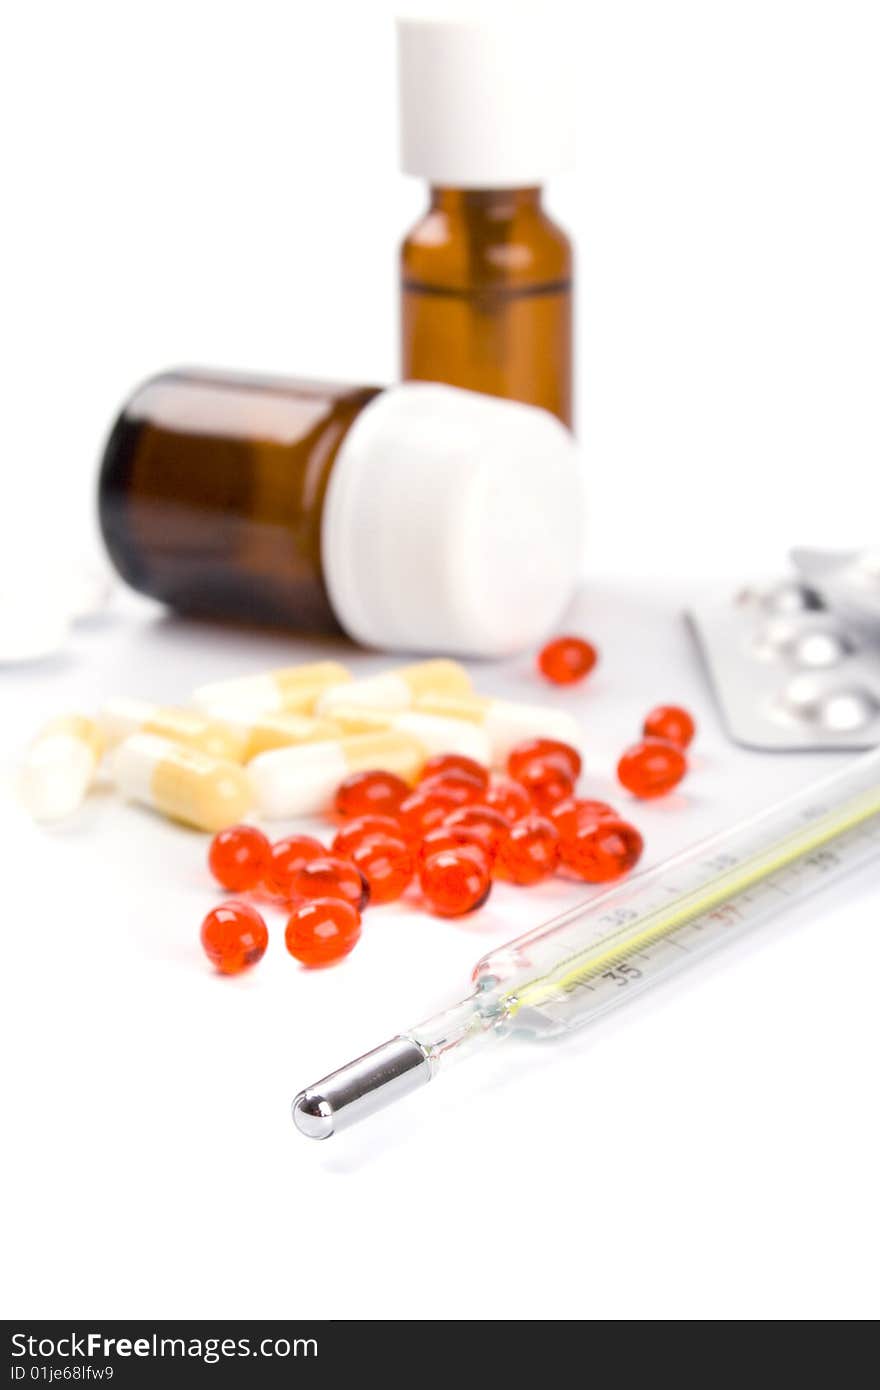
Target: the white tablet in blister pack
(795, 664)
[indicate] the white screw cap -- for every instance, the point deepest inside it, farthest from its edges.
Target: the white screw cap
(453, 523)
(485, 102)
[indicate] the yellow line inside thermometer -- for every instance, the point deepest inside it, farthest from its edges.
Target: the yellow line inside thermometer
(616, 946)
(566, 972)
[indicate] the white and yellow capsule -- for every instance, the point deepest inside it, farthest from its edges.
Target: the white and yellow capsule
(302, 781)
(436, 733)
(122, 717)
(505, 722)
(260, 733)
(181, 783)
(398, 689)
(294, 688)
(59, 767)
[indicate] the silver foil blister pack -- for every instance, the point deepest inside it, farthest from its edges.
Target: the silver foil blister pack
(795, 663)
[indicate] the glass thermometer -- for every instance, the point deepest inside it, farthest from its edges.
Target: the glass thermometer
(567, 972)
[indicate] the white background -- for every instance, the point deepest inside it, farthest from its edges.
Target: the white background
(216, 183)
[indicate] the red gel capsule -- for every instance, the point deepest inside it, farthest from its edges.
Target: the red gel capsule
(470, 841)
(651, 768)
(387, 863)
(322, 931)
(459, 788)
(508, 798)
(454, 882)
(488, 824)
(238, 857)
(423, 811)
(567, 659)
(332, 877)
(442, 763)
(234, 937)
(361, 830)
(374, 793)
(574, 812)
(552, 748)
(286, 858)
(546, 781)
(672, 723)
(603, 851)
(531, 851)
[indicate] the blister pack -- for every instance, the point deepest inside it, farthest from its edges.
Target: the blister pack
(795, 663)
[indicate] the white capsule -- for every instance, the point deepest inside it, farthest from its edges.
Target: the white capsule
(434, 732)
(122, 717)
(505, 722)
(59, 767)
(293, 688)
(256, 734)
(398, 689)
(301, 781)
(181, 783)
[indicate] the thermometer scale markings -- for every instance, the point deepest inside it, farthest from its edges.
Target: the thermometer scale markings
(570, 970)
(805, 849)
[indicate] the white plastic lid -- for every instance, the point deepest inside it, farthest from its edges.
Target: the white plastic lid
(453, 523)
(485, 102)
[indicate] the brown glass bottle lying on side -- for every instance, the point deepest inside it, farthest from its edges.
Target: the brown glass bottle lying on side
(404, 516)
(212, 489)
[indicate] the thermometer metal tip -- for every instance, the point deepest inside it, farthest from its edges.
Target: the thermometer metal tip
(361, 1088)
(572, 969)
(312, 1115)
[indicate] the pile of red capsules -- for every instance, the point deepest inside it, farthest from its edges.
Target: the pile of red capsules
(451, 836)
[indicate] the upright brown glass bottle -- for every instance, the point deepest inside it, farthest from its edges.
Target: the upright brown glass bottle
(486, 275)
(486, 297)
